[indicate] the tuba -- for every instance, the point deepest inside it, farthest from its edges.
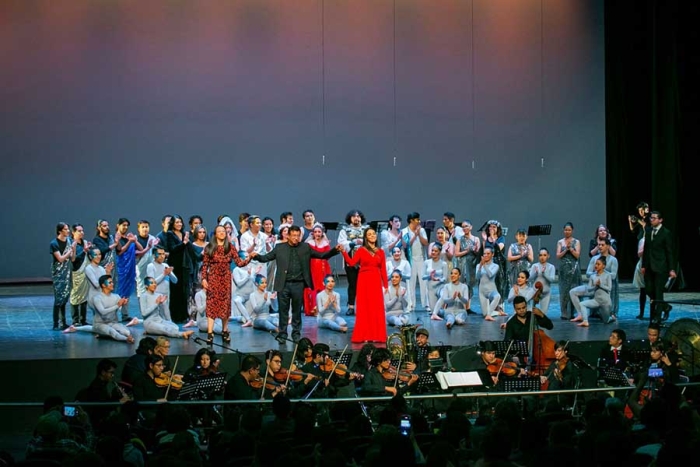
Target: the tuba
(402, 344)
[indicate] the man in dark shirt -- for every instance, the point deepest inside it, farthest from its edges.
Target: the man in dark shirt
(239, 386)
(292, 275)
(518, 326)
(616, 353)
(101, 389)
(136, 364)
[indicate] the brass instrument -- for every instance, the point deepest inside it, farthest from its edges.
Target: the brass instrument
(684, 338)
(402, 344)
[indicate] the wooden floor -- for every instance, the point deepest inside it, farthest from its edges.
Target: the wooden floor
(26, 321)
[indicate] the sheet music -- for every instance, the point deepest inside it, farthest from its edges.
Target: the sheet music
(455, 378)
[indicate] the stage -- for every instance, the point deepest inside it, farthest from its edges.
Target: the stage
(26, 321)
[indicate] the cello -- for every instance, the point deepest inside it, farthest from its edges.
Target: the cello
(541, 346)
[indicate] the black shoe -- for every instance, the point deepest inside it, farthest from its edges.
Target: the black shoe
(296, 337)
(55, 327)
(281, 338)
(350, 313)
(126, 319)
(470, 312)
(564, 318)
(640, 317)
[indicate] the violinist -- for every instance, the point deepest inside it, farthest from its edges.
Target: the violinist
(518, 326)
(561, 373)
(145, 386)
(317, 367)
(276, 377)
(375, 384)
(206, 363)
(363, 363)
(239, 386)
(485, 359)
(304, 351)
(659, 370)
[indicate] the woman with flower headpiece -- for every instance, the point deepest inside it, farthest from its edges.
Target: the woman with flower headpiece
(493, 238)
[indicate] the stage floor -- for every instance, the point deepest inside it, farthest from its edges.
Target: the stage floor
(26, 321)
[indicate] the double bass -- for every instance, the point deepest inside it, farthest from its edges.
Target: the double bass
(541, 346)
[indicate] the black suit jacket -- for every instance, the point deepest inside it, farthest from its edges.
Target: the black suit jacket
(658, 253)
(624, 357)
(281, 254)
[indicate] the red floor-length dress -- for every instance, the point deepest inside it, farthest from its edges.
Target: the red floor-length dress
(320, 268)
(370, 320)
(216, 270)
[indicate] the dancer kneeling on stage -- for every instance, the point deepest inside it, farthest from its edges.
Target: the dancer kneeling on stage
(395, 301)
(452, 304)
(328, 306)
(259, 303)
(153, 312)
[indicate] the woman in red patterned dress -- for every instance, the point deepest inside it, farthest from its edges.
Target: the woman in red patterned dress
(320, 268)
(370, 323)
(216, 280)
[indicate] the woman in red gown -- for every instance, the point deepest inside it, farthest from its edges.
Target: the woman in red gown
(320, 268)
(216, 280)
(370, 323)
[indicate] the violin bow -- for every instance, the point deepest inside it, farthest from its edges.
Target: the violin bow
(267, 372)
(294, 355)
(503, 362)
(172, 373)
(339, 358)
(398, 369)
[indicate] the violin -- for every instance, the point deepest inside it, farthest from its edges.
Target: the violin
(390, 375)
(270, 385)
(340, 369)
(501, 367)
(163, 381)
(294, 375)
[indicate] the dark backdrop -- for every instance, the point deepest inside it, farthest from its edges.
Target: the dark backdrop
(653, 121)
(489, 109)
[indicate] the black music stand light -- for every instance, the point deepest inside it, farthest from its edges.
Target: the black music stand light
(518, 348)
(344, 359)
(522, 384)
(614, 377)
(200, 387)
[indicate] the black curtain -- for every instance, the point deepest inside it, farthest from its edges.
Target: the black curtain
(652, 119)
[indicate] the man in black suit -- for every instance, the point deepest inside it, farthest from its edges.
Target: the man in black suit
(292, 275)
(657, 262)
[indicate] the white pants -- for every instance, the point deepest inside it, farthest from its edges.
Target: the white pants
(416, 275)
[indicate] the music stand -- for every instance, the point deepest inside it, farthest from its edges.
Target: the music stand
(200, 387)
(518, 348)
(429, 226)
(378, 226)
(427, 382)
(639, 355)
(344, 359)
(539, 231)
(614, 377)
(522, 384)
(443, 349)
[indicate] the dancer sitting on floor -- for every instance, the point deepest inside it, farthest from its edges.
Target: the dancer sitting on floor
(106, 306)
(259, 304)
(154, 314)
(395, 301)
(452, 304)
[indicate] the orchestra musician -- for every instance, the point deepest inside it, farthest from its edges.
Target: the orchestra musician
(422, 346)
(376, 384)
(561, 373)
(518, 325)
(648, 381)
(327, 382)
(239, 386)
(145, 386)
(485, 359)
(616, 353)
